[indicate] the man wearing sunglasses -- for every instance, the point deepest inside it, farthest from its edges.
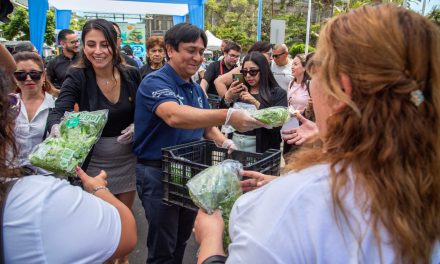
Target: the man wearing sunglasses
(231, 53)
(58, 66)
(281, 66)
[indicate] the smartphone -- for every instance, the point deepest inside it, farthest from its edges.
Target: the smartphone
(237, 77)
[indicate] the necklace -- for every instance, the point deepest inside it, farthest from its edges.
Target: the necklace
(109, 84)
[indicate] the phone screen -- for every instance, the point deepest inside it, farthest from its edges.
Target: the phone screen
(237, 77)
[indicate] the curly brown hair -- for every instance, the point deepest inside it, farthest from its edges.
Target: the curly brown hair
(390, 144)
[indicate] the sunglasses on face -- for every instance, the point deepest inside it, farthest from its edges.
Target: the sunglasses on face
(275, 56)
(22, 75)
(14, 105)
(252, 72)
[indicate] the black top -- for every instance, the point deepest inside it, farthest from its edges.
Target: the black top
(214, 70)
(57, 68)
(269, 138)
(80, 87)
(129, 60)
(146, 69)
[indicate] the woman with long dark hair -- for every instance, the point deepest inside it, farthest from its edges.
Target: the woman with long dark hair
(102, 81)
(260, 89)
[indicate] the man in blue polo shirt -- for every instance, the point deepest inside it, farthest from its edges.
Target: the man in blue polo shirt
(171, 109)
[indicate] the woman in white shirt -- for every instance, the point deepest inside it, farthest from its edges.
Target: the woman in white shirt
(298, 92)
(36, 96)
(46, 220)
(370, 192)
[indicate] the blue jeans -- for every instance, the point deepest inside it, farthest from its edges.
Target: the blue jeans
(169, 226)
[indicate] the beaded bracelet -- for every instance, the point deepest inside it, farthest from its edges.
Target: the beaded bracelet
(97, 188)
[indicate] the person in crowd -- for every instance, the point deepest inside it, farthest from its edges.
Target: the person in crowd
(125, 57)
(298, 89)
(7, 61)
(369, 194)
(36, 96)
(25, 46)
(281, 66)
(231, 56)
(127, 50)
(58, 66)
(307, 131)
(45, 219)
(225, 42)
(102, 81)
(223, 82)
(155, 55)
(260, 89)
(170, 110)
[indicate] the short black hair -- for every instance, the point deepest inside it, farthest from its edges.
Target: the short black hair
(127, 50)
(261, 46)
(24, 46)
(232, 46)
(63, 33)
(186, 33)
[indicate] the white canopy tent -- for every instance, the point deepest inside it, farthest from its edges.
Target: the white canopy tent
(214, 43)
(125, 7)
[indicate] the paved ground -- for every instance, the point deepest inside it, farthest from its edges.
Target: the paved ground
(139, 254)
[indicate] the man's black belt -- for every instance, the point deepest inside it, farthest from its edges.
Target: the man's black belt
(152, 163)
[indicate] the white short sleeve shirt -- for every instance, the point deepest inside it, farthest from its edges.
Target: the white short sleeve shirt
(291, 220)
(47, 220)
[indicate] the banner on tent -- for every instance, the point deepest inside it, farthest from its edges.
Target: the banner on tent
(134, 36)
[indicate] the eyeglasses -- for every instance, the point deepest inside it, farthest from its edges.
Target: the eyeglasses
(252, 72)
(275, 56)
(14, 105)
(74, 41)
(22, 75)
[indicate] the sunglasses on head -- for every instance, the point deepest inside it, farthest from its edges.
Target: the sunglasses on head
(252, 72)
(14, 105)
(22, 75)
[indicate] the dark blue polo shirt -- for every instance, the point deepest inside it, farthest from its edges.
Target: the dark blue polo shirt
(151, 132)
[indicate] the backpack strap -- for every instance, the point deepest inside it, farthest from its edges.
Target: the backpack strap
(9, 186)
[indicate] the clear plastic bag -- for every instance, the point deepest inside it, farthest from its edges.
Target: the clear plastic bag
(273, 116)
(217, 186)
(250, 108)
(79, 131)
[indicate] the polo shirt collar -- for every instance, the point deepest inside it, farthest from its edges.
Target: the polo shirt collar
(67, 58)
(176, 77)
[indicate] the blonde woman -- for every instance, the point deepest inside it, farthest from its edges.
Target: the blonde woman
(370, 193)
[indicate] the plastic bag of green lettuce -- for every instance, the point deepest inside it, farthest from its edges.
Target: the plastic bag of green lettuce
(79, 131)
(274, 116)
(217, 187)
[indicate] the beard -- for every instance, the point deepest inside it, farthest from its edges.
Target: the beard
(72, 50)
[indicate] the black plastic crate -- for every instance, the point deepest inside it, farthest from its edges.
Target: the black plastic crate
(180, 163)
(214, 101)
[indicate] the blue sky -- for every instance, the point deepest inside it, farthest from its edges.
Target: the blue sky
(429, 5)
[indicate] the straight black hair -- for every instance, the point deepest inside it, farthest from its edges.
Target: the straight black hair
(267, 81)
(110, 36)
(184, 33)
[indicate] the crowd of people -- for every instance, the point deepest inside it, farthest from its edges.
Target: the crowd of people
(361, 178)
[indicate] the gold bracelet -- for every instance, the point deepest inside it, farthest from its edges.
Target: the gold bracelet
(97, 188)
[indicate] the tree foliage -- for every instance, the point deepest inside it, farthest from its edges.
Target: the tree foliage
(18, 27)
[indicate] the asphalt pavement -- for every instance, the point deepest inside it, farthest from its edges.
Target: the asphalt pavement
(139, 254)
